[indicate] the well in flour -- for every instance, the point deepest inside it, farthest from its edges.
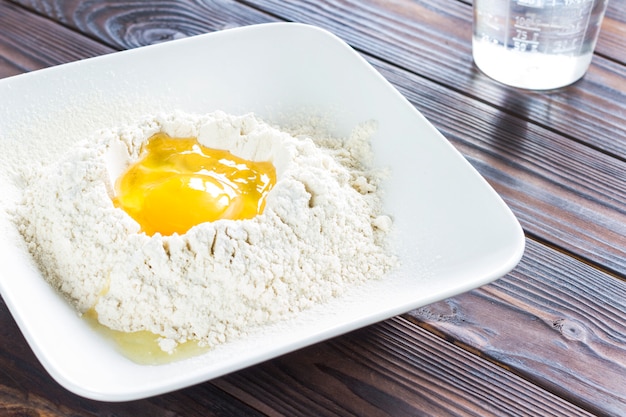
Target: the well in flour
(322, 232)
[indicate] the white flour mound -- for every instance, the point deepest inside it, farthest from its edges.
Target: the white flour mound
(321, 232)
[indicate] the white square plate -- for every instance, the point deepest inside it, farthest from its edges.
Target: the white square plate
(453, 232)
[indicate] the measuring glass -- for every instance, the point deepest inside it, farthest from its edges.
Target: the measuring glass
(536, 44)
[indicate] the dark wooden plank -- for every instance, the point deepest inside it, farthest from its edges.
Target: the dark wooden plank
(129, 24)
(432, 38)
(611, 43)
(29, 42)
(173, 19)
(8, 67)
(390, 369)
(554, 320)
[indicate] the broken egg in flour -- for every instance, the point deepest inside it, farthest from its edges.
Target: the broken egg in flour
(144, 347)
(177, 183)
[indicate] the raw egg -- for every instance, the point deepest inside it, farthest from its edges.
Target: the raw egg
(177, 183)
(143, 346)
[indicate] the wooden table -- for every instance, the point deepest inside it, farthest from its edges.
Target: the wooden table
(547, 339)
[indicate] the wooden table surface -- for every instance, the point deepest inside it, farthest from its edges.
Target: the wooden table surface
(549, 338)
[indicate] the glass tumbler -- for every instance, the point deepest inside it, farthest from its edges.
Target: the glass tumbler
(536, 44)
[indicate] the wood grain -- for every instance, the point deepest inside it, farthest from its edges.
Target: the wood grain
(389, 369)
(553, 320)
(29, 42)
(129, 24)
(613, 32)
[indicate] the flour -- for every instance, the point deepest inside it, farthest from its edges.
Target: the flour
(321, 233)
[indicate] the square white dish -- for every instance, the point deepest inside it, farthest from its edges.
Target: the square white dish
(452, 232)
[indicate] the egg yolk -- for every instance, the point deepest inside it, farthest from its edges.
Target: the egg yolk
(178, 183)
